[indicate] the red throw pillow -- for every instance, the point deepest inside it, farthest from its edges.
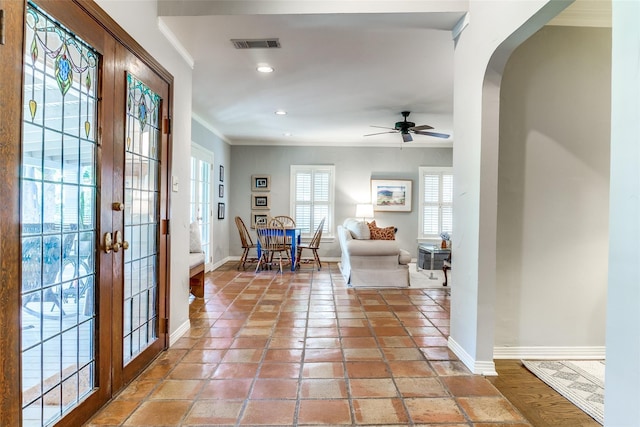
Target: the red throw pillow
(377, 233)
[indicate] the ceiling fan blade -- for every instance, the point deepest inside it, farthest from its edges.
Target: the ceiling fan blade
(422, 127)
(379, 133)
(406, 137)
(436, 134)
(382, 127)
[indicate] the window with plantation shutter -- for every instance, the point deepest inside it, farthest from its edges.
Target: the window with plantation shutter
(312, 197)
(436, 202)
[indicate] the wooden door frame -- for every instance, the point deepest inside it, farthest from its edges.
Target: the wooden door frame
(10, 256)
(11, 93)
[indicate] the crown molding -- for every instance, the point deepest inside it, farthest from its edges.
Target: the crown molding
(173, 40)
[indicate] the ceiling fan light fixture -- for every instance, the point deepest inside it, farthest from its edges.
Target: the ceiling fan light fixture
(405, 128)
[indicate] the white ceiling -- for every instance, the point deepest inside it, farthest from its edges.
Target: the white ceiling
(342, 67)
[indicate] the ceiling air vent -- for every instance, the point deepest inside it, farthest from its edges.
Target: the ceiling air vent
(255, 43)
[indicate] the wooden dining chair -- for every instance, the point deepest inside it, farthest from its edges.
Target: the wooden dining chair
(287, 222)
(313, 246)
(245, 240)
(272, 240)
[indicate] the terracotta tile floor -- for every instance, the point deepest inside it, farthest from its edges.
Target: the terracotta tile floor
(305, 349)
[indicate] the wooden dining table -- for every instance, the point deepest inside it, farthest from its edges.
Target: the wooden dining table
(294, 235)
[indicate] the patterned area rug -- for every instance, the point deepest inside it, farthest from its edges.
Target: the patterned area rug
(580, 381)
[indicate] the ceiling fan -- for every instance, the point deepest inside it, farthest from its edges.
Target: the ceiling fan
(406, 128)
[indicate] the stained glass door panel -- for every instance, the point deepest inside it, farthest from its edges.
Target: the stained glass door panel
(141, 219)
(58, 180)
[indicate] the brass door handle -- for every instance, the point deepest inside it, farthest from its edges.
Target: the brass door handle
(111, 245)
(120, 243)
(108, 243)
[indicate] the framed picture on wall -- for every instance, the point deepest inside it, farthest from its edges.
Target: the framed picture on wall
(221, 173)
(391, 195)
(259, 217)
(221, 191)
(260, 182)
(260, 201)
(220, 210)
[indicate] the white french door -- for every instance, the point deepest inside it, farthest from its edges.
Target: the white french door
(202, 182)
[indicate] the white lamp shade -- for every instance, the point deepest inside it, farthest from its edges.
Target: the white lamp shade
(364, 210)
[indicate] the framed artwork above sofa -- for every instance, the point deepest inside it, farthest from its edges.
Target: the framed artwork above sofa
(391, 195)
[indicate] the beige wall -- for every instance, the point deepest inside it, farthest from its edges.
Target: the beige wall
(553, 193)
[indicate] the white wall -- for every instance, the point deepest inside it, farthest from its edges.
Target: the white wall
(139, 19)
(553, 192)
(494, 29)
(622, 386)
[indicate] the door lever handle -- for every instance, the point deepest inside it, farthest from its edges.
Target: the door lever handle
(114, 244)
(108, 244)
(120, 243)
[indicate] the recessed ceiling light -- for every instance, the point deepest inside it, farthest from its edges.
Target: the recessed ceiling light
(281, 112)
(264, 69)
(287, 134)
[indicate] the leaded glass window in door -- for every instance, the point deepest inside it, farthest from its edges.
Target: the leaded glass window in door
(142, 217)
(58, 182)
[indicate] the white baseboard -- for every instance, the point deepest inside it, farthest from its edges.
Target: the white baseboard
(541, 352)
(223, 261)
(179, 332)
(478, 367)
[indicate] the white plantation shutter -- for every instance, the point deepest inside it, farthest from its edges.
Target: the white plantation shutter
(436, 201)
(302, 214)
(446, 205)
(430, 221)
(312, 190)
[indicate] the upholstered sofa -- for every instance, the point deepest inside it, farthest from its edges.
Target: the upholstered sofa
(367, 262)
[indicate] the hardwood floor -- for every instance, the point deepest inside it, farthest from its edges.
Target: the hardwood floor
(540, 404)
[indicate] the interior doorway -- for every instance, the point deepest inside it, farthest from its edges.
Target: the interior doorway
(202, 184)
